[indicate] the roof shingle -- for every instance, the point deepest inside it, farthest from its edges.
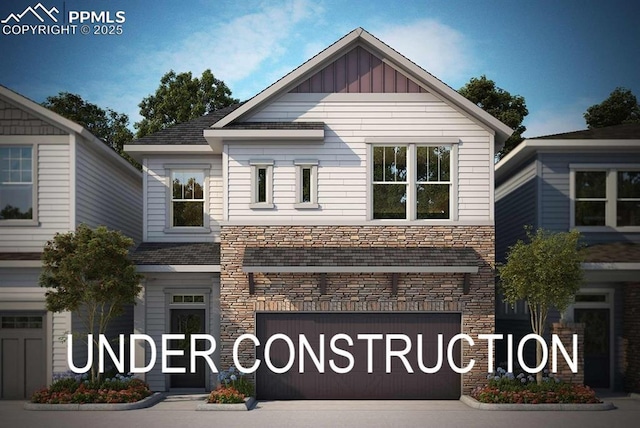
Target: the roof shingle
(177, 253)
(630, 131)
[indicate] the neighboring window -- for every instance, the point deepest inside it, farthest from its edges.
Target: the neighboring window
(16, 183)
(187, 202)
(261, 184)
(433, 182)
(412, 182)
(607, 197)
(21, 322)
(306, 184)
(628, 203)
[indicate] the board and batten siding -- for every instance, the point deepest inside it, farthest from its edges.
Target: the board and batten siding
(53, 202)
(157, 315)
(158, 198)
(516, 206)
(107, 193)
(555, 195)
(342, 173)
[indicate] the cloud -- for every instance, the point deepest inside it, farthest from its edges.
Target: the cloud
(436, 47)
(237, 49)
(550, 120)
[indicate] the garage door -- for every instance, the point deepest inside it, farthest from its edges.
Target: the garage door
(358, 383)
(22, 355)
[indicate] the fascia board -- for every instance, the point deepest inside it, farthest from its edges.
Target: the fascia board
(138, 151)
(360, 269)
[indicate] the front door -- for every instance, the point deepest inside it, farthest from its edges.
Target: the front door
(596, 345)
(187, 322)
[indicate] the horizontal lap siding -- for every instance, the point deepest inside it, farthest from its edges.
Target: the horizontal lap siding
(342, 178)
(53, 202)
(107, 194)
(157, 202)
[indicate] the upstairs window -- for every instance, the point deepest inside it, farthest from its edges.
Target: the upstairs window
(261, 184)
(187, 202)
(606, 197)
(412, 182)
(306, 184)
(16, 183)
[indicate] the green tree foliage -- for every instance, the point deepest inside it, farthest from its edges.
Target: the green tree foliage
(545, 272)
(621, 107)
(509, 109)
(181, 97)
(108, 125)
(89, 272)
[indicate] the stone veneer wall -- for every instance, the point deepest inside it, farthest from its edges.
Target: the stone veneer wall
(357, 292)
(631, 333)
(565, 332)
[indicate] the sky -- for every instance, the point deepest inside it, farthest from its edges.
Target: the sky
(562, 56)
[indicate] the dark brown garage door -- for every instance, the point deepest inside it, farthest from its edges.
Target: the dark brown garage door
(358, 383)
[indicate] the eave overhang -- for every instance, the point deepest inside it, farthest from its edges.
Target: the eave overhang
(217, 137)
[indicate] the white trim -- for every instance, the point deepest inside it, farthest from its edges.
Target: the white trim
(215, 137)
(145, 199)
(611, 266)
(529, 147)
(20, 263)
(177, 268)
(360, 269)
(137, 151)
(73, 179)
(262, 162)
(428, 141)
(257, 164)
(300, 165)
(492, 190)
(34, 139)
(225, 183)
(267, 221)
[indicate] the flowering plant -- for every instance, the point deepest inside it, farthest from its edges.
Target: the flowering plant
(234, 387)
(505, 387)
(69, 387)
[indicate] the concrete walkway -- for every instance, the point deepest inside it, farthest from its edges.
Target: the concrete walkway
(178, 411)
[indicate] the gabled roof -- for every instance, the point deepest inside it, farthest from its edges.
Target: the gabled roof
(63, 123)
(360, 37)
(625, 138)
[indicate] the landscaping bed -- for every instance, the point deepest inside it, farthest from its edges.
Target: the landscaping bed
(507, 388)
(71, 388)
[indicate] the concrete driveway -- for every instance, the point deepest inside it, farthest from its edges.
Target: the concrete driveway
(180, 411)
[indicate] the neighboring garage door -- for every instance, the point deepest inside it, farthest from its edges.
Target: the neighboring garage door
(357, 384)
(22, 353)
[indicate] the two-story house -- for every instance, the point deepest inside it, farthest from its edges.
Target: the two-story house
(353, 196)
(588, 180)
(54, 175)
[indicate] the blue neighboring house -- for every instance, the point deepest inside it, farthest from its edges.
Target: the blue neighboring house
(588, 180)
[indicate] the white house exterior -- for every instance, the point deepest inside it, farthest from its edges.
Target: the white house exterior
(54, 175)
(357, 187)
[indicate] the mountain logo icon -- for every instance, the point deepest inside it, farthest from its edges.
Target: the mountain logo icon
(38, 11)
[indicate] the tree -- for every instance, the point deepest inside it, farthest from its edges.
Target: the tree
(546, 272)
(509, 109)
(181, 97)
(108, 125)
(621, 107)
(89, 272)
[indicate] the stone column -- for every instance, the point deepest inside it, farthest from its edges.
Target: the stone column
(565, 332)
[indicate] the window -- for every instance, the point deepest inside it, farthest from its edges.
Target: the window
(188, 298)
(433, 182)
(187, 202)
(16, 183)
(306, 183)
(261, 184)
(21, 322)
(412, 182)
(607, 197)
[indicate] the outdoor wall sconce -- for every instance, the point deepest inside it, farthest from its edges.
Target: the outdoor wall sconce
(466, 284)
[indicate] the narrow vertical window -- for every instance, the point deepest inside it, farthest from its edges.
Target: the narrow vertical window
(433, 182)
(628, 203)
(261, 184)
(306, 184)
(591, 198)
(390, 182)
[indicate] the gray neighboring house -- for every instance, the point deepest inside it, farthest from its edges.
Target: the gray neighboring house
(54, 175)
(588, 180)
